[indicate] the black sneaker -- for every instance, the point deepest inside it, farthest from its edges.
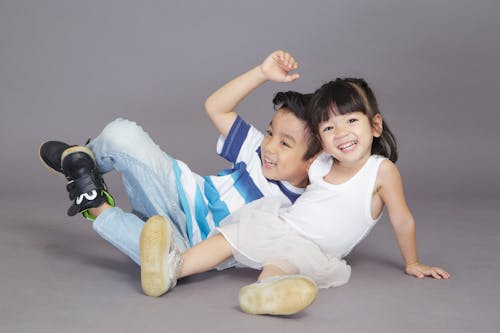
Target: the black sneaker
(86, 186)
(50, 155)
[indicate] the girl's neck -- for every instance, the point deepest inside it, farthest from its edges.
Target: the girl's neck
(341, 172)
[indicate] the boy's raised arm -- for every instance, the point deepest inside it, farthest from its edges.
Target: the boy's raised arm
(221, 104)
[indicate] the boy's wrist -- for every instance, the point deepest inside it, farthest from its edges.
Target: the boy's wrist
(260, 73)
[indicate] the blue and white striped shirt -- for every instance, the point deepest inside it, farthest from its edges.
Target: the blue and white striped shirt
(207, 200)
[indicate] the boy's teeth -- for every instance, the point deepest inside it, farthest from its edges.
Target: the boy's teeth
(270, 162)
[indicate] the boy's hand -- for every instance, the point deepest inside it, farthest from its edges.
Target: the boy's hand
(420, 270)
(277, 66)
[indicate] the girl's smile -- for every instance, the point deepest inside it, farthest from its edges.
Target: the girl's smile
(348, 137)
(348, 146)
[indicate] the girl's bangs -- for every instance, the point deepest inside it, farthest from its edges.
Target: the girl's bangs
(342, 99)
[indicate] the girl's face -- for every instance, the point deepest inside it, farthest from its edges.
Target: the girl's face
(348, 137)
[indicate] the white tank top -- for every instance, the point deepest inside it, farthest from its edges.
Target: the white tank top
(336, 217)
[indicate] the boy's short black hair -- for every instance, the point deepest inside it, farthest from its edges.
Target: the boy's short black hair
(297, 104)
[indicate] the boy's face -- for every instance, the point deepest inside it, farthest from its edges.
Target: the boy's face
(283, 149)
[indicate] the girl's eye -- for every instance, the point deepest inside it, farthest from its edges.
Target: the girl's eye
(269, 133)
(352, 120)
(327, 128)
(285, 144)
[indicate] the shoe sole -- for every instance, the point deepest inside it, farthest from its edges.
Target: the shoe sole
(154, 244)
(283, 297)
(66, 152)
(49, 169)
(77, 149)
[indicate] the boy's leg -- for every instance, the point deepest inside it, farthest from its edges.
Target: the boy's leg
(78, 165)
(148, 178)
(149, 182)
(162, 263)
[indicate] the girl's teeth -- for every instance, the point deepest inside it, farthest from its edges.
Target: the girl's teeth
(348, 145)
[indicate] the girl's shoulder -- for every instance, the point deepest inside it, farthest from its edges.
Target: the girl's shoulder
(388, 174)
(387, 165)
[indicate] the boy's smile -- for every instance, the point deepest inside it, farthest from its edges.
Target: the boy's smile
(268, 163)
(283, 149)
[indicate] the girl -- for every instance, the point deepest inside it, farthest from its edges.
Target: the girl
(298, 247)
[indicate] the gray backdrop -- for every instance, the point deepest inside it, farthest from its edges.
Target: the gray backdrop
(69, 67)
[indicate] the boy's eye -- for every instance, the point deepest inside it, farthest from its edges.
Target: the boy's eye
(269, 133)
(285, 144)
(352, 120)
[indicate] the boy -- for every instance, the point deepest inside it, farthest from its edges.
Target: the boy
(274, 164)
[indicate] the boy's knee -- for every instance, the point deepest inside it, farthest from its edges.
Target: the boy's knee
(122, 133)
(123, 137)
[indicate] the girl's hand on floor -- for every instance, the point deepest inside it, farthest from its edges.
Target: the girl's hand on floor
(420, 270)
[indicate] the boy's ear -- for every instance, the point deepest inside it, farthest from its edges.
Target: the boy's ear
(377, 125)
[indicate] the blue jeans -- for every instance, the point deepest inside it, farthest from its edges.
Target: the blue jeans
(149, 182)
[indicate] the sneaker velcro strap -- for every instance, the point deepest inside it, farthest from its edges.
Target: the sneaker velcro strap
(85, 184)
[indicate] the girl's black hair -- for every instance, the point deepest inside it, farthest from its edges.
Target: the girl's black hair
(351, 95)
(297, 103)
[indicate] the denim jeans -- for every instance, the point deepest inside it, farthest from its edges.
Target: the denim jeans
(149, 182)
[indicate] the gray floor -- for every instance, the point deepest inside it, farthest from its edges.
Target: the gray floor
(59, 276)
(69, 67)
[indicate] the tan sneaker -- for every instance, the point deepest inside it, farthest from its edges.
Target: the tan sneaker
(160, 258)
(278, 295)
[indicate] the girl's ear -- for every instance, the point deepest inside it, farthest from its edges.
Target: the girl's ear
(377, 125)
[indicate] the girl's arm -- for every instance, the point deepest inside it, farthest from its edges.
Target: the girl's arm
(221, 104)
(391, 192)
